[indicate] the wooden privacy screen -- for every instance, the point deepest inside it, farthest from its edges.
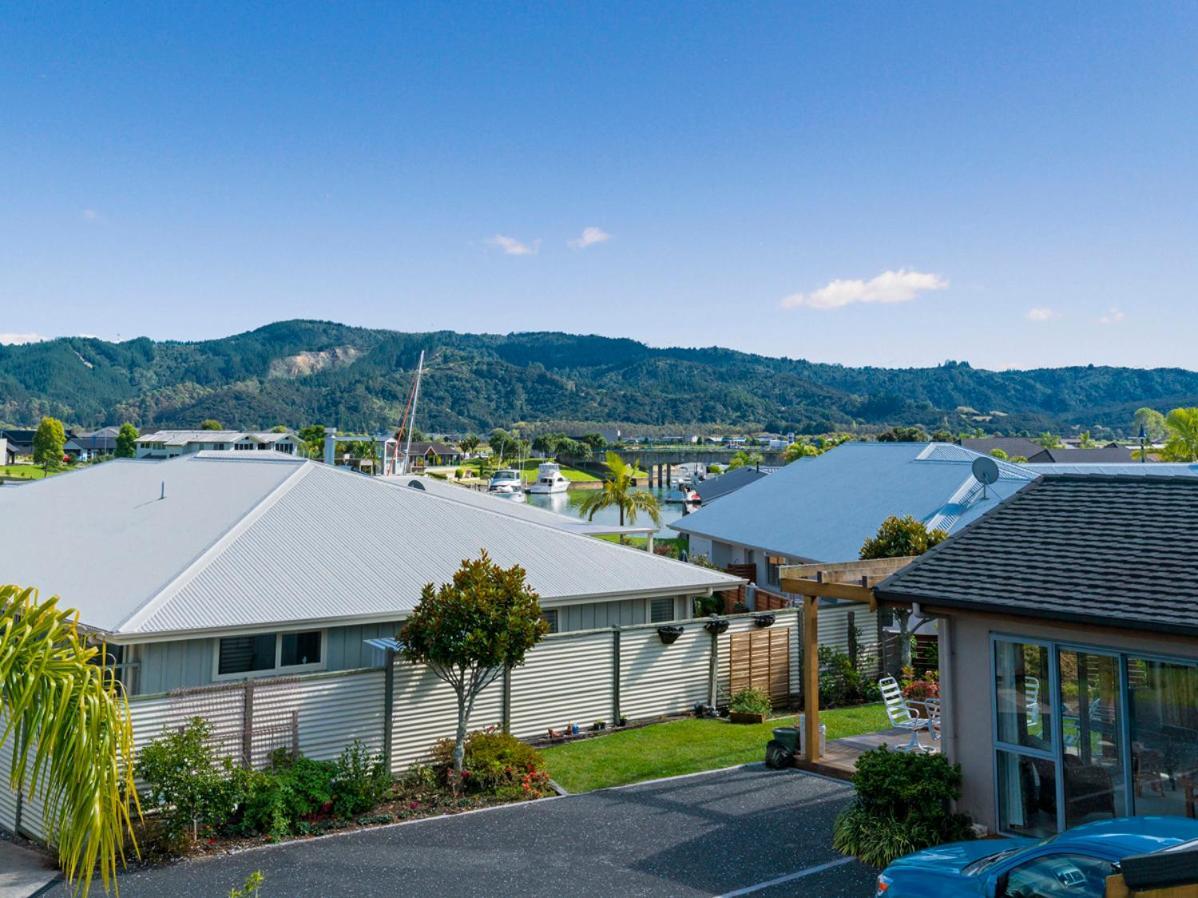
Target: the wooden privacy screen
(761, 659)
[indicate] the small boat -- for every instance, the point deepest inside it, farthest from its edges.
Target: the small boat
(684, 493)
(506, 482)
(549, 479)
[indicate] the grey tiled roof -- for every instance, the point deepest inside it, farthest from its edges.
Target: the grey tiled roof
(1118, 551)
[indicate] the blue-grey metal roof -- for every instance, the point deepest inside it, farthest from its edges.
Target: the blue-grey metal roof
(729, 482)
(824, 508)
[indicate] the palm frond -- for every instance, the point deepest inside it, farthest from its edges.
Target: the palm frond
(67, 718)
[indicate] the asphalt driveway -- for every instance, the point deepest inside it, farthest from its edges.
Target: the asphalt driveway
(730, 832)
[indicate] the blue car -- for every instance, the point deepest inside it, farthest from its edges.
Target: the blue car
(1074, 864)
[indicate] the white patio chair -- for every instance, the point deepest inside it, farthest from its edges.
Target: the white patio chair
(899, 711)
(1031, 697)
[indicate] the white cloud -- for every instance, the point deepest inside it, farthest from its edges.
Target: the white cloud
(589, 237)
(1112, 316)
(889, 286)
(1042, 313)
(89, 215)
(19, 339)
(513, 247)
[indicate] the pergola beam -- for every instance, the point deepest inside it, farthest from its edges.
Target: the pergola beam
(851, 581)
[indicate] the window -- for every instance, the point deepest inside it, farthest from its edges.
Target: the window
(246, 654)
(550, 617)
(1023, 725)
(661, 610)
(269, 652)
(300, 648)
(1092, 733)
(1058, 876)
(1163, 703)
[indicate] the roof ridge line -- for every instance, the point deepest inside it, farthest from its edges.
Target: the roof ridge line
(499, 514)
(213, 551)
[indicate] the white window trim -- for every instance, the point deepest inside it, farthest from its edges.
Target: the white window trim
(278, 670)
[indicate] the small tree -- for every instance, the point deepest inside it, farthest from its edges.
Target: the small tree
(126, 441)
(211, 424)
(469, 443)
(1049, 440)
(48, 444)
(898, 538)
(1152, 422)
(469, 631)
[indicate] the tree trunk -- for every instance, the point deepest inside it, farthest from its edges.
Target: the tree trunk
(459, 745)
(904, 621)
(621, 515)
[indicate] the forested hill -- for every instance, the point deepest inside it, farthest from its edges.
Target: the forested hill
(300, 372)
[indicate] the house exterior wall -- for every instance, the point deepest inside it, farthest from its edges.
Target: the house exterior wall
(969, 734)
(190, 662)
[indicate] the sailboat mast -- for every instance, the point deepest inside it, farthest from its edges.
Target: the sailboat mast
(407, 451)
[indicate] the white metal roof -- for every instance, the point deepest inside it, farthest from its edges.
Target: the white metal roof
(243, 542)
(185, 437)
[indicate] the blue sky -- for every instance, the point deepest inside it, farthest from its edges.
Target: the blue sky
(892, 184)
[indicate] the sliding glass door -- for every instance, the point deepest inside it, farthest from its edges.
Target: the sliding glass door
(1083, 734)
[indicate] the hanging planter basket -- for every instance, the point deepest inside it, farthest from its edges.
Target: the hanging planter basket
(764, 620)
(716, 626)
(669, 633)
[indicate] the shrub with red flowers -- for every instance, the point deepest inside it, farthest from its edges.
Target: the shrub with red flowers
(496, 764)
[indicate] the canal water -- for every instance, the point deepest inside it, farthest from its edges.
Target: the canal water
(567, 504)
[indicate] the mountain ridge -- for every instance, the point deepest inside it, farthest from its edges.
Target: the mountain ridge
(307, 371)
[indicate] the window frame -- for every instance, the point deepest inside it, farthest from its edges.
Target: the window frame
(553, 618)
(279, 669)
(666, 599)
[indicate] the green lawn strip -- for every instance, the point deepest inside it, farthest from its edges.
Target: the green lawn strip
(22, 472)
(639, 541)
(685, 746)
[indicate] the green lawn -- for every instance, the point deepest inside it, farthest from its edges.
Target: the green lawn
(528, 470)
(685, 746)
(22, 472)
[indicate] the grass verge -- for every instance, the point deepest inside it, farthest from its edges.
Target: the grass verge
(685, 746)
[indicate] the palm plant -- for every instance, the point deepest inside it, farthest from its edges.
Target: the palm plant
(72, 738)
(619, 491)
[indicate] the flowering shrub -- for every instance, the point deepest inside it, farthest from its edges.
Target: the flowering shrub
(496, 764)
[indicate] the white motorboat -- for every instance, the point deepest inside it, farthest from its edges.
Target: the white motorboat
(506, 483)
(549, 479)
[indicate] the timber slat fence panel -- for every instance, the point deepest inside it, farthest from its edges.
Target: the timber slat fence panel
(760, 659)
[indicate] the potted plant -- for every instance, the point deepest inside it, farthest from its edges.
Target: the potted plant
(669, 633)
(716, 626)
(764, 620)
(749, 706)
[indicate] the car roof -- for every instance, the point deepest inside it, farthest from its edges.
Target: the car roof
(1125, 836)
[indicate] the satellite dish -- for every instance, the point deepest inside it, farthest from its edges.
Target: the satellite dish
(985, 470)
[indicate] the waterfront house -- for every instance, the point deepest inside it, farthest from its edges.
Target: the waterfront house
(18, 444)
(222, 565)
(1068, 620)
(430, 454)
(173, 443)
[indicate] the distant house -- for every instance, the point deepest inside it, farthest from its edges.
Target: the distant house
(19, 443)
(1068, 619)
(1014, 447)
(218, 566)
(1103, 455)
(92, 444)
(173, 443)
(432, 453)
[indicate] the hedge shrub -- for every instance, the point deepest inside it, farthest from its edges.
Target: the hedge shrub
(902, 805)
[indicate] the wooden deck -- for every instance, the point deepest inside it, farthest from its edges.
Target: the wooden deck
(840, 759)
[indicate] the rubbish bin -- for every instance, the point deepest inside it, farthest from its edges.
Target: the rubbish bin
(802, 731)
(780, 751)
